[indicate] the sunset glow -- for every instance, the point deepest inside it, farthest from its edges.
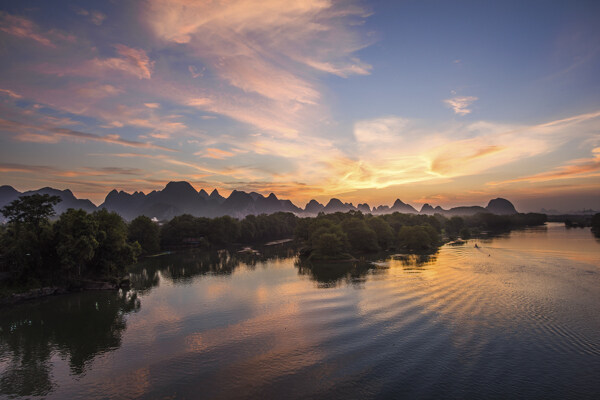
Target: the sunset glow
(363, 101)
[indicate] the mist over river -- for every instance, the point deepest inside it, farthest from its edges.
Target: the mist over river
(516, 316)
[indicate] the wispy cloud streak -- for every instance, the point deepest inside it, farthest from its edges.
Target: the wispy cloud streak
(49, 134)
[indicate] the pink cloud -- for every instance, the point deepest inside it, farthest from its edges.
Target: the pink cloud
(215, 153)
(267, 55)
(132, 61)
(23, 28)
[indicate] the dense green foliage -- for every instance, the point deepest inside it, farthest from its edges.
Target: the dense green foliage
(76, 246)
(340, 235)
(186, 229)
(31, 210)
(336, 236)
(146, 233)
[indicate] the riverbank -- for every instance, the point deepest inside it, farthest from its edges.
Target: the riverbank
(12, 296)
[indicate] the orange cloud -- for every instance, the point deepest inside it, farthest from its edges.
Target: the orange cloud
(579, 168)
(215, 153)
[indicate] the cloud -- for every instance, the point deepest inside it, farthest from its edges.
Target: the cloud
(95, 16)
(128, 60)
(51, 134)
(194, 71)
(386, 130)
(215, 153)
(132, 61)
(95, 91)
(23, 28)
(152, 105)
(266, 57)
(578, 168)
(394, 151)
(460, 104)
(10, 93)
(85, 171)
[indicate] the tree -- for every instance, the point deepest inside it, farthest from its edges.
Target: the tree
(182, 227)
(329, 245)
(453, 226)
(25, 244)
(383, 231)
(75, 233)
(113, 253)
(360, 236)
(31, 210)
(224, 230)
(146, 233)
(415, 238)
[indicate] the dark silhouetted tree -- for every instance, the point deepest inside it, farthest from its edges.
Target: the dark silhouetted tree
(146, 233)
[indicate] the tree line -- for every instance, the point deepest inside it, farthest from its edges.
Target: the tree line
(345, 235)
(36, 250)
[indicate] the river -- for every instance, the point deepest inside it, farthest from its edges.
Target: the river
(517, 316)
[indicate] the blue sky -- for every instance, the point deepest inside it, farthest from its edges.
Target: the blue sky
(430, 101)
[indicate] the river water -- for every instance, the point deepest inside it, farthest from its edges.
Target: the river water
(516, 317)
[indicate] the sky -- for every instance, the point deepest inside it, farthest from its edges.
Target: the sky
(447, 103)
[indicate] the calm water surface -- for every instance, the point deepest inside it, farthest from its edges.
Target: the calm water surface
(517, 317)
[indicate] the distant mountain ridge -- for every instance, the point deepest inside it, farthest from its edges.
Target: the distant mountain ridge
(178, 198)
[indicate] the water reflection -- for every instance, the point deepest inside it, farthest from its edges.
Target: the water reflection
(515, 317)
(183, 267)
(414, 262)
(76, 327)
(330, 275)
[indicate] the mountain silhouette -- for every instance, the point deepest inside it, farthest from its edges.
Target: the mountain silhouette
(314, 207)
(336, 205)
(402, 207)
(364, 208)
(215, 196)
(178, 198)
(203, 194)
(501, 206)
(427, 209)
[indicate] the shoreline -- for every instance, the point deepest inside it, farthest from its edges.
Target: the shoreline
(46, 291)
